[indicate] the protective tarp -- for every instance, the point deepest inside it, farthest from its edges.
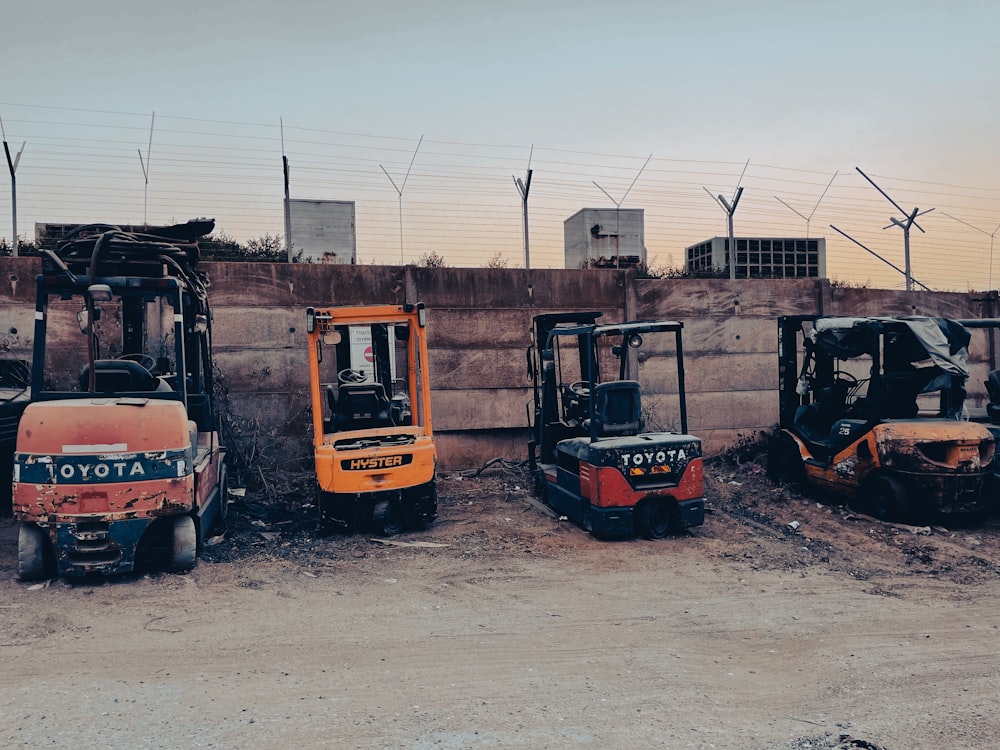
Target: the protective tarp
(911, 343)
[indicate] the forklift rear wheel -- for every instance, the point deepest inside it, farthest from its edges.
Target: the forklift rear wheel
(185, 545)
(35, 559)
(654, 518)
(387, 517)
(886, 499)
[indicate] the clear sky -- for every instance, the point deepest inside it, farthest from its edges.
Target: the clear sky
(784, 94)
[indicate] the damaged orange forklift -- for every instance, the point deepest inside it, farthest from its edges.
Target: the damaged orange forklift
(118, 463)
(373, 438)
(875, 414)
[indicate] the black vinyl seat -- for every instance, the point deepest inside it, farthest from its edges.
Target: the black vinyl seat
(993, 391)
(119, 376)
(617, 408)
(362, 405)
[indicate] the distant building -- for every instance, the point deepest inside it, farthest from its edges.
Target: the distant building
(323, 231)
(761, 257)
(51, 235)
(605, 237)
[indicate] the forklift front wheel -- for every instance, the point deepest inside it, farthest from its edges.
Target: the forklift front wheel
(784, 462)
(886, 498)
(185, 545)
(35, 558)
(387, 517)
(654, 518)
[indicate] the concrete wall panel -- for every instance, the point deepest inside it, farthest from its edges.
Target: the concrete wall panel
(460, 369)
(479, 328)
(684, 298)
(17, 329)
(740, 410)
(254, 371)
(17, 280)
(253, 327)
(471, 410)
(723, 372)
(728, 336)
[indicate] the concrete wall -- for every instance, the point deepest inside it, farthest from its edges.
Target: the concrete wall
(479, 328)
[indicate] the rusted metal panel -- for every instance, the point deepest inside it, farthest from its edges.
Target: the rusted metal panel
(104, 425)
(934, 445)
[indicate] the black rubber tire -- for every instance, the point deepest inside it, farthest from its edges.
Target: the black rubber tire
(784, 461)
(421, 499)
(338, 513)
(655, 518)
(387, 518)
(35, 557)
(886, 499)
(184, 545)
(223, 496)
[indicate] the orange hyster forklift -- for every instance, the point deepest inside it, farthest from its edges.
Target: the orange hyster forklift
(609, 445)
(118, 463)
(372, 434)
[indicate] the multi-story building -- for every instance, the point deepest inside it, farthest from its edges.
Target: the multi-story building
(760, 257)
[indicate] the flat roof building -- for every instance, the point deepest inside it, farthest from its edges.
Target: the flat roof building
(760, 257)
(605, 237)
(323, 231)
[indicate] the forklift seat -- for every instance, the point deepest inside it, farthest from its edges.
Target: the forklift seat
(993, 390)
(362, 405)
(119, 376)
(617, 408)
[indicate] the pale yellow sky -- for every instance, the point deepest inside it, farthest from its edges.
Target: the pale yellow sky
(905, 91)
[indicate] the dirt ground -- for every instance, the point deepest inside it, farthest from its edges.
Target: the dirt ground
(783, 622)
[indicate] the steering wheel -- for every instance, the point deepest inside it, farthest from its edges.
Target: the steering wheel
(352, 376)
(146, 360)
(579, 388)
(852, 382)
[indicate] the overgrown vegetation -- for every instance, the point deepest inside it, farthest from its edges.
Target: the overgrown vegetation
(681, 273)
(747, 455)
(265, 460)
(653, 269)
(497, 260)
(432, 260)
(840, 284)
(218, 246)
(268, 248)
(23, 247)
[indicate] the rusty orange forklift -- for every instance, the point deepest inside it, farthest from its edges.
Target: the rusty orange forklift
(118, 463)
(875, 414)
(598, 455)
(373, 439)
(15, 393)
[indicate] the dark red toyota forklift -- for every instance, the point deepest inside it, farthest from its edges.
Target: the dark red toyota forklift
(598, 450)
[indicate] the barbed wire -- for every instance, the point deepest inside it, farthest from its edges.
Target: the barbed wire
(81, 166)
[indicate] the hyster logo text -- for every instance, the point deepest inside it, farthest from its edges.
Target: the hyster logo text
(374, 462)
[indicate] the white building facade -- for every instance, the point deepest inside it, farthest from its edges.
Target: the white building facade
(605, 236)
(760, 257)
